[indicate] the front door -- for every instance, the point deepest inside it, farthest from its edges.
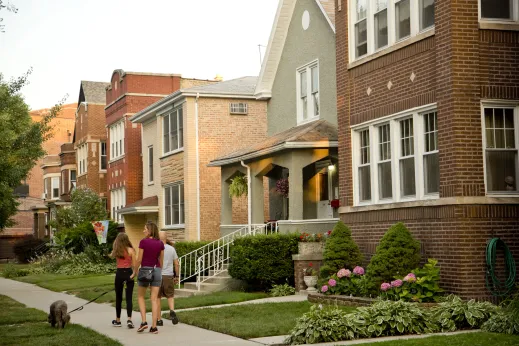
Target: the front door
(324, 193)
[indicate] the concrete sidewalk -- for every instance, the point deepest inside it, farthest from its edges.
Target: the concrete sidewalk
(99, 317)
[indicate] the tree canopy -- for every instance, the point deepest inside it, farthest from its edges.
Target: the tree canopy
(21, 142)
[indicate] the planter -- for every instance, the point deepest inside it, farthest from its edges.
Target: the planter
(310, 282)
(306, 248)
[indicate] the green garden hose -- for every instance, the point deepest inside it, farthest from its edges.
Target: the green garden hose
(494, 285)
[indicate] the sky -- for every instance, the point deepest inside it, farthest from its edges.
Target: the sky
(66, 41)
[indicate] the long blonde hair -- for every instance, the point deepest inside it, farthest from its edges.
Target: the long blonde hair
(153, 230)
(121, 245)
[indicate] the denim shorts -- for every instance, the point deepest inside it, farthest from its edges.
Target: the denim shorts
(157, 278)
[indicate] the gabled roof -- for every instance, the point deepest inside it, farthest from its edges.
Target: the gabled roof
(93, 92)
(318, 133)
(277, 40)
(234, 88)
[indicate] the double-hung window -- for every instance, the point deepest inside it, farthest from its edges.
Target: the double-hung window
(377, 24)
(82, 154)
(118, 201)
(405, 165)
(72, 178)
(173, 131)
(102, 155)
(308, 92)
(55, 187)
(174, 205)
(499, 10)
(117, 140)
(501, 143)
(150, 165)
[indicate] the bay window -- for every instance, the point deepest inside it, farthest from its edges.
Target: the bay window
(173, 131)
(308, 92)
(55, 187)
(501, 142)
(406, 166)
(174, 205)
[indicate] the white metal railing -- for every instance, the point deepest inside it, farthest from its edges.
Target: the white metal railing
(214, 255)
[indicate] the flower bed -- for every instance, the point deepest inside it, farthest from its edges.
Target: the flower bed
(340, 300)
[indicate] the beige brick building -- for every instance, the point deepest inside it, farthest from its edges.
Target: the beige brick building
(181, 134)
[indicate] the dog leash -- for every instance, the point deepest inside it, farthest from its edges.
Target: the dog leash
(93, 300)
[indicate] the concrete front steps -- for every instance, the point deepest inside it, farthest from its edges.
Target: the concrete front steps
(214, 282)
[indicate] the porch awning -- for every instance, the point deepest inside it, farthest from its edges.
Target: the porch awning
(143, 206)
(317, 134)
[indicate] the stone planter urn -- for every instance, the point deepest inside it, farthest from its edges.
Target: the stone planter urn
(310, 282)
(306, 248)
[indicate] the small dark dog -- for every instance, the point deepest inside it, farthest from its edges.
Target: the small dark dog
(58, 314)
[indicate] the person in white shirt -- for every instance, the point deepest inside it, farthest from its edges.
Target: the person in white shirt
(170, 277)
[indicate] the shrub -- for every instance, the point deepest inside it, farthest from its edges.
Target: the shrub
(185, 247)
(263, 260)
(346, 282)
(340, 251)
(27, 248)
(327, 324)
(78, 238)
(282, 290)
(505, 320)
(454, 313)
(422, 285)
(397, 254)
(11, 271)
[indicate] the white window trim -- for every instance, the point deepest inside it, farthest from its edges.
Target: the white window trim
(391, 27)
(169, 114)
(308, 69)
(52, 180)
(373, 125)
(101, 156)
(150, 163)
(514, 20)
(117, 139)
(499, 104)
(118, 201)
(82, 162)
(172, 226)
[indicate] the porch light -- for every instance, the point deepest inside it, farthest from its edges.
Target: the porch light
(331, 167)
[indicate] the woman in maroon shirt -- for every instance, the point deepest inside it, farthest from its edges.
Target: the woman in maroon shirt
(151, 256)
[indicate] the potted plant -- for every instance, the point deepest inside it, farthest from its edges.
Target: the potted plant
(311, 243)
(310, 278)
(238, 186)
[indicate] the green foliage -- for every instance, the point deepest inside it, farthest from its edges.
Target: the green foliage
(25, 249)
(353, 284)
(238, 186)
(12, 271)
(78, 238)
(424, 288)
(282, 290)
(185, 247)
(340, 251)
(454, 313)
(20, 142)
(506, 320)
(397, 254)
(328, 324)
(86, 207)
(263, 260)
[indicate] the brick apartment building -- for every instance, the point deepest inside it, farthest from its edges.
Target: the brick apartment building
(428, 111)
(30, 192)
(90, 138)
(127, 94)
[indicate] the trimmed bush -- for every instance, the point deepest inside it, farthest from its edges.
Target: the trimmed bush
(340, 251)
(25, 249)
(264, 260)
(78, 238)
(397, 254)
(185, 247)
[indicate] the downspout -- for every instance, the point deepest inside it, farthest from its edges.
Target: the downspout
(197, 167)
(249, 197)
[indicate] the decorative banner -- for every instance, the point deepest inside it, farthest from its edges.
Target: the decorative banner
(101, 229)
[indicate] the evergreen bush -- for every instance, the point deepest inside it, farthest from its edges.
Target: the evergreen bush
(397, 254)
(263, 260)
(340, 251)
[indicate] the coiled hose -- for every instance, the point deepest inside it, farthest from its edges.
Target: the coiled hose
(494, 285)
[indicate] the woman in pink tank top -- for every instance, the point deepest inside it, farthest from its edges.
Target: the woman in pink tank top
(126, 262)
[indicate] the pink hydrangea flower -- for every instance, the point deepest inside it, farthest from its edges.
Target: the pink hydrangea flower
(358, 270)
(410, 277)
(396, 283)
(324, 288)
(332, 282)
(385, 286)
(343, 273)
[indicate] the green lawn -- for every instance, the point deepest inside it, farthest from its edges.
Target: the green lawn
(25, 326)
(470, 339)
(248, 321)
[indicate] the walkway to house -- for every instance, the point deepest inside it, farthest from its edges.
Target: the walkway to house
(99, 318)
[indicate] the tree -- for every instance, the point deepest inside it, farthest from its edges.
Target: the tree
(21, 142)
(340, 251)
(86, 207)
(10, 7)
(397, 254)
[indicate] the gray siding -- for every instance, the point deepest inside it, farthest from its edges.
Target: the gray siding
(302, 47)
